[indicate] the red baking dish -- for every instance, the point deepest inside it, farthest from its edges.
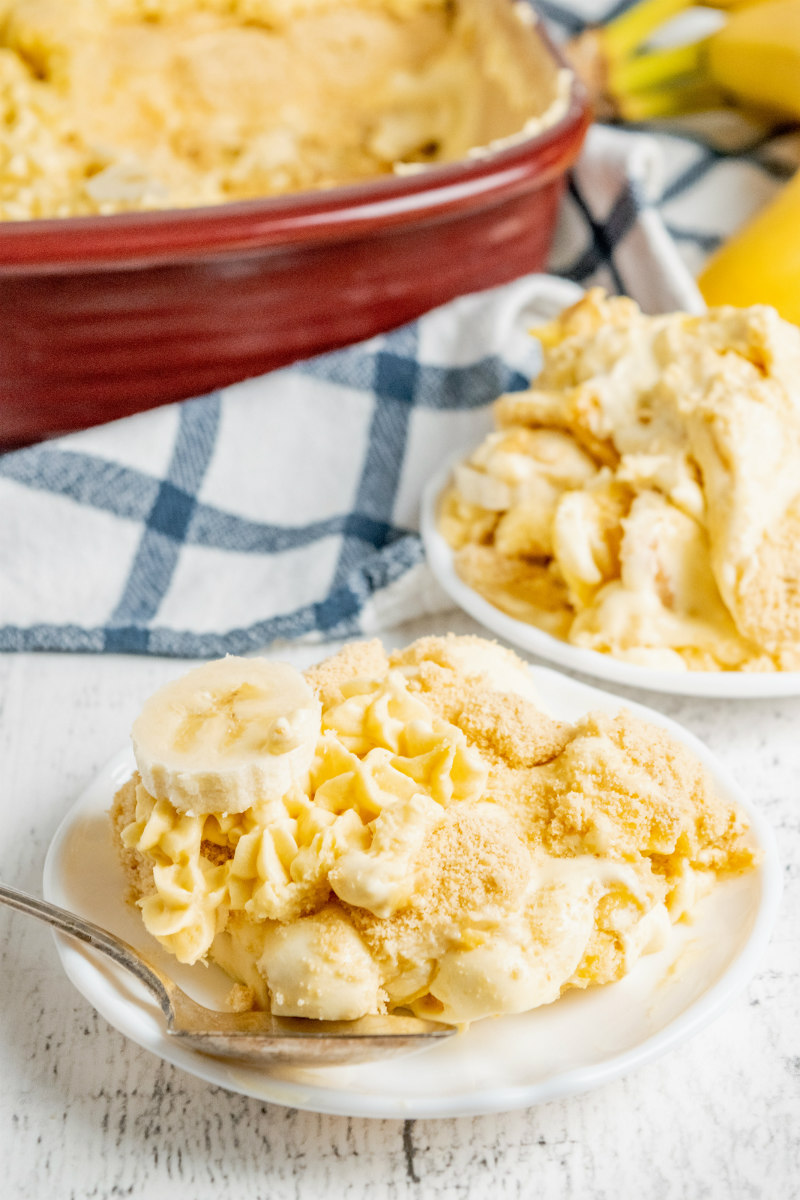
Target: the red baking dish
(105, 316)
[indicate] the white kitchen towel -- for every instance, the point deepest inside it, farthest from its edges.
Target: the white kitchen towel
(287, 506)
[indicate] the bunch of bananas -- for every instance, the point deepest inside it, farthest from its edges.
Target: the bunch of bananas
(753, 60)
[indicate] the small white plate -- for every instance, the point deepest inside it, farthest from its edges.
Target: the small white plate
(727, 685)
(583, 1040)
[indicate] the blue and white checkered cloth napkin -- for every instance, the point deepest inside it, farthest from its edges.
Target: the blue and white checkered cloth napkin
(287, 506)
(283, 507)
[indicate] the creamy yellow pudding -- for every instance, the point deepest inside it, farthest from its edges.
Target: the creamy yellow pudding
(410, 831)
(642, 498)
(109, 105)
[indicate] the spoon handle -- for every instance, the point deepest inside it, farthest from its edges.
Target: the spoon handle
(99, 939)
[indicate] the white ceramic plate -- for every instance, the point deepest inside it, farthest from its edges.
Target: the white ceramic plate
(583, 1040)
(724, 684)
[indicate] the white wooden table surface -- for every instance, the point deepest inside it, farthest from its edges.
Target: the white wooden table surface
(85, 1113)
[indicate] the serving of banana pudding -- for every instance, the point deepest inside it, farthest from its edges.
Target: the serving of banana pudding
(642, 498)
(410, 831)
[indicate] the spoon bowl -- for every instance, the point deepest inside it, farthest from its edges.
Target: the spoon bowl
(252, 1037)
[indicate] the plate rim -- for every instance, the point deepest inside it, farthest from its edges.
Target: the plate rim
(722, 685)
(83, 969)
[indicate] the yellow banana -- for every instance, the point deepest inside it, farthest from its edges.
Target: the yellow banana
(735, 5)
(756, 56)
(761, 264)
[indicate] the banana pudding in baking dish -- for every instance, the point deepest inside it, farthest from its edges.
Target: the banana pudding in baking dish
(642, 498)
(115, 105)
(410, 831)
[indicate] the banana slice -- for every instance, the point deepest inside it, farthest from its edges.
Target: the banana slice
(227, 735)
(482, 490)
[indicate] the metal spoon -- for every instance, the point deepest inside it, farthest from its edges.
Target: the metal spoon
(255, 1037)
